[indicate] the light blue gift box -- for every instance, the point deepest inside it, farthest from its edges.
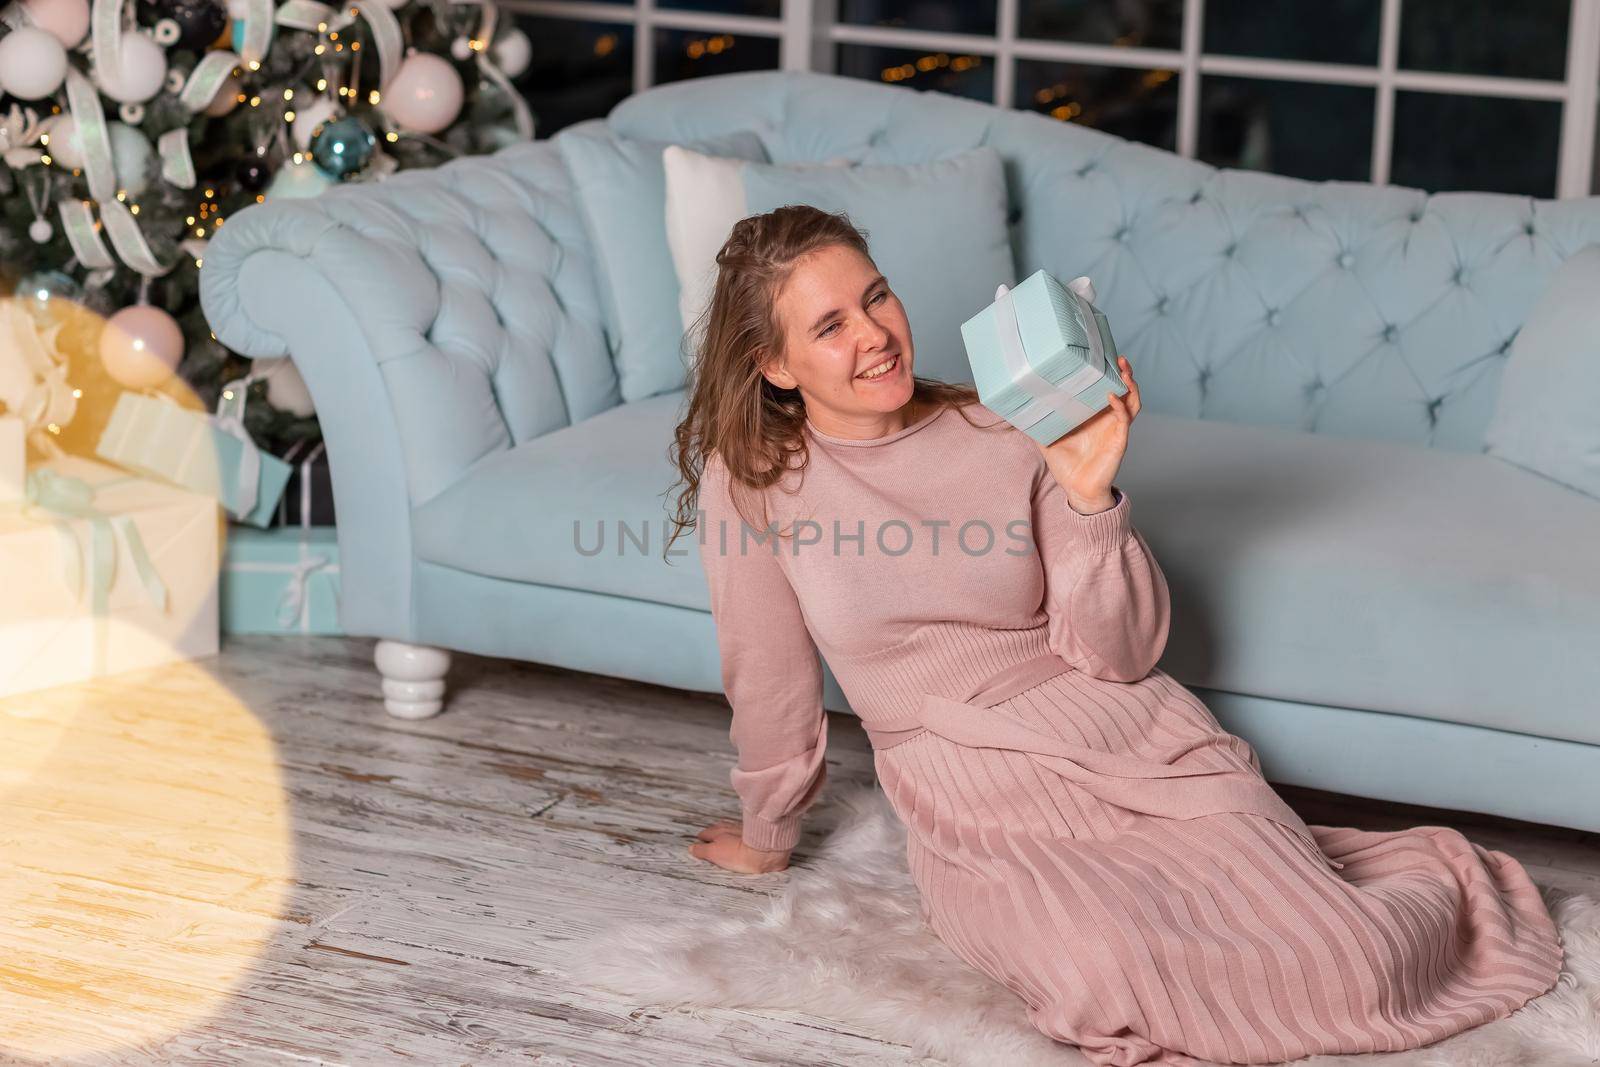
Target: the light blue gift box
(1042, 357)
(281, 581)
(159, 439)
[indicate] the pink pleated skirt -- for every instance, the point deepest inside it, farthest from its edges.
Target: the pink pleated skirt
(1113, 856)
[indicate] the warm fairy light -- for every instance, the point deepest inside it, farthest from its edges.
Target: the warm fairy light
(189, 221)
(77, 394)
(392, 135)
(122, 194)
(322, 83)
(288, 116)
(54, 427)
(355, 46)
(45, 160)
(210, 193)
(319, 49)
(322, 27)
(199, 231)
(255, 65)
(227, 394)
(299, 157)
(197, 262)
(44, 138)
(338, 48)
(334, 36)
(255, 101)
(372, 97)
(134, 209)
(288, 94)
(260, 199)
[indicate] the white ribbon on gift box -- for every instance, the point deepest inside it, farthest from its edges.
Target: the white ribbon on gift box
(1048, 396)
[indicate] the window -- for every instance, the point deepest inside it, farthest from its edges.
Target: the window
(1424, 93)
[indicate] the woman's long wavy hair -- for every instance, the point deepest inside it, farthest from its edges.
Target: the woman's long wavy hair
(756, 427)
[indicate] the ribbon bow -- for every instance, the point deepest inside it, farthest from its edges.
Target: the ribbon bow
(294, 607)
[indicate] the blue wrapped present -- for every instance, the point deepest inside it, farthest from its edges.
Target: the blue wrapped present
(281, 581)
(210, 454)
(1042, 356)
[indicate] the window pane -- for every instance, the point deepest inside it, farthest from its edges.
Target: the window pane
(1328, 31)
(683, 54)
(1527, 39)
(1129, 23)
(1141, 105)
(969, 16)
(1493, 144)
(1302, 129)
(579, 70)
(759, 8)
(959, 75)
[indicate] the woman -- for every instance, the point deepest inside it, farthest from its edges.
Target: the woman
(1080, 827)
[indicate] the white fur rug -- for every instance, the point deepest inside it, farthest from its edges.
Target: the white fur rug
(844, 941)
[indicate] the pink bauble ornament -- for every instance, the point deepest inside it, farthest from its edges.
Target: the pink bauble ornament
(141, 346)
(142, 74)
(65, 20)
(32, 63)
(425, 95)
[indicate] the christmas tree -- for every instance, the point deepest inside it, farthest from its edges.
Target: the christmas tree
(131, 131)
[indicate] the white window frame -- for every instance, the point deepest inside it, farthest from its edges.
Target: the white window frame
(808, 30)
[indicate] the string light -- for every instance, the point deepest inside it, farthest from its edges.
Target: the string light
(288, 116)
(322, 84)
(372, 97)
(288, 94)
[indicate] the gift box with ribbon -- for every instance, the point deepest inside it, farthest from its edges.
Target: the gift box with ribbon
(308, 498)
(1042, 355)
(211, 454)
(280, 581)
(103, 572)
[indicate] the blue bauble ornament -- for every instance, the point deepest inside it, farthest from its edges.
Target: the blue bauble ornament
(298, 181)
(44, 292)
(343, 146)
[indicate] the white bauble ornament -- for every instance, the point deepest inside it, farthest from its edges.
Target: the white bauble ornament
(308, 118)
(512, 52)
(64, 149)
(130, 154)
(33, 63)
(298, 181)
(461, 48)
(41, 231)
(425, 95)
(286, 390)
(65, 20)
(141, 346)
(144, 70)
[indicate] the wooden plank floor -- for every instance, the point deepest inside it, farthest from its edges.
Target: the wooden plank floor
(245, 860)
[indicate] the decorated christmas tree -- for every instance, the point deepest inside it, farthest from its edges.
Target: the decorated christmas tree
(131, 131)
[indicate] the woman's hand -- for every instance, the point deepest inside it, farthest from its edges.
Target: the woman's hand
(722, 844)
(1086, 460)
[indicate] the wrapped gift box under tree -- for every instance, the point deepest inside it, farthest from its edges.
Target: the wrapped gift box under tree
(156, 437)
(283, 580)
(104, 572)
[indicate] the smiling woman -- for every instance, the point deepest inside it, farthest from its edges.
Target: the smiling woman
(1080, 827)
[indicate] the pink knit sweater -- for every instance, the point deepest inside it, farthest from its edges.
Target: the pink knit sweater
(925, 560)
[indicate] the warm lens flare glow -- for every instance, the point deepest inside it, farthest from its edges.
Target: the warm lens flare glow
(147, 859)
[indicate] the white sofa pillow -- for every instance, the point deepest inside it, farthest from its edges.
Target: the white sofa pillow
(705, 197)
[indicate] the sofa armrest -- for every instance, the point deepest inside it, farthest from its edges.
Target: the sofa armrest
(437, 317)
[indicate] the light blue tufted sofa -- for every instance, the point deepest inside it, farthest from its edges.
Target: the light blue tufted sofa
(1379, 607)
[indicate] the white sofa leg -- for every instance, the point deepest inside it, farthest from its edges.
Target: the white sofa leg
(413, 678)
